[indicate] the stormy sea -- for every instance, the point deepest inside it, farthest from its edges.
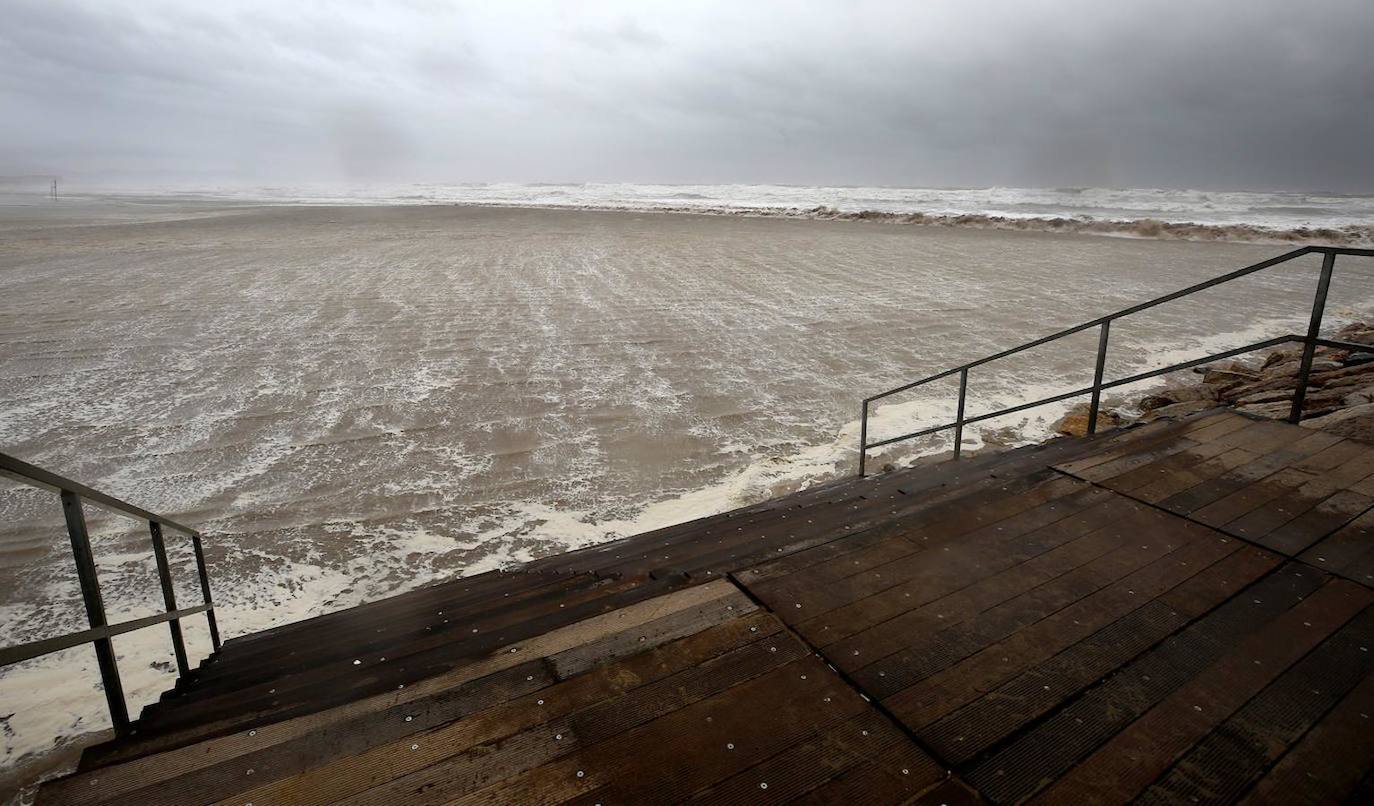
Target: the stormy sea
(358, 391)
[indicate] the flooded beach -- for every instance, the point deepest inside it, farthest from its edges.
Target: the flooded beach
(354, 401)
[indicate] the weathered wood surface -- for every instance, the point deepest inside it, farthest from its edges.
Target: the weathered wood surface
(1175, 613)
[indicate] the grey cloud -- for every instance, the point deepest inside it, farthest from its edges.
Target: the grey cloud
(1258, 93)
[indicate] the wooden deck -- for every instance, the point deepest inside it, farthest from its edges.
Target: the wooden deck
(1180, 612)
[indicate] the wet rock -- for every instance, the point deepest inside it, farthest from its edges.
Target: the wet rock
(1282, 356)
(1358, 332)
(1271, 396)
(1075, 423)
(1359, 397)
(1224, 379)
(1178, 394)
(1324, 398)
(1356, 422)
(1245, 390)
(1179, 409)
(1355, 359)
(1357, 371)
(1274, 411)
(1289, 369)
(1347, 382)
(999, 437)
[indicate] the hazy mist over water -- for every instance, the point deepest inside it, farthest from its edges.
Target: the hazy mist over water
(1265, 94)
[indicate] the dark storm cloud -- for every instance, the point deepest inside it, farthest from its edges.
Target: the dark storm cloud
(1250, 93)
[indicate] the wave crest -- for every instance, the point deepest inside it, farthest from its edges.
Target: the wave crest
(1352, 235)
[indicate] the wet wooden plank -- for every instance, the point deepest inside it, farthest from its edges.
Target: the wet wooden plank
(241, 738)
(1192, 454)
(1292, 448)
(963, 579)
(1342, 552)
(1227, 762)
(1173, 481)
(826, 587)
(1005, 710)
(867, 739)
(1311, 526)
(1336, 754)
(1130, 761)
(692, 747)
(956, 685)
(633, 690)
(1047, 749)
(1282, 484)
(871, 596)
(1082, 558)
(301, 690)
(1160, 432)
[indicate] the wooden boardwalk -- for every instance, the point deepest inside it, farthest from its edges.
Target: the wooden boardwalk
(1180, 612)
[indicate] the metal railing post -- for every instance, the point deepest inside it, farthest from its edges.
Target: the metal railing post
(863, 438)
(959, 417)
(95, 608)
(205, 592)
(169, 596)
(1314, 327)
(1097, 376)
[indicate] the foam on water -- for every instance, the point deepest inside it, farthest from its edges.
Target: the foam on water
(354, 402)
(1189, 214)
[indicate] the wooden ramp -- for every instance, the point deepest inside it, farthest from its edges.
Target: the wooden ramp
(1179, 612)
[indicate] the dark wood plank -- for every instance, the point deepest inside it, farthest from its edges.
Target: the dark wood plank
(1291, 449)
(1052, 746)
(1343, 551)
(686, 749)
(866, 739)
(998, 714)
(732, 651)
(953, 686)
(979, 574)
(1130, 761)
(1229, 760)
(1337, 753)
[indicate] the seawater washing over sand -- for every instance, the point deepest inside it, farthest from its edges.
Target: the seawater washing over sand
(1199, 215)
(351, 401)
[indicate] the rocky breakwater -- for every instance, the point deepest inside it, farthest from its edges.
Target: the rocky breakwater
(1339, 399)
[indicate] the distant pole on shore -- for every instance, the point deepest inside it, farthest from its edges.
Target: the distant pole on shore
(54, 190)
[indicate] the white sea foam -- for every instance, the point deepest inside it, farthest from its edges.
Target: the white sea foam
(1149, 212)
(350, 411)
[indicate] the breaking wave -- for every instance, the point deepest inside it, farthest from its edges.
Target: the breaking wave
(1349, 235)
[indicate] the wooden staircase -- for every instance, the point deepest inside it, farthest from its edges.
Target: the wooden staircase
(968, 631)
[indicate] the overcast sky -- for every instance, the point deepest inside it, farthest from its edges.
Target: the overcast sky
(1239, 94)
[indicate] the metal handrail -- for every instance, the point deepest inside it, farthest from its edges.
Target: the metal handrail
(1310, 341)
(73, 496)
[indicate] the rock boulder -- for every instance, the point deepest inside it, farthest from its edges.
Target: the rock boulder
(1356, 422)
(1075, 423)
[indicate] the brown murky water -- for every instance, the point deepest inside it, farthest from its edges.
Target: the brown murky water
(354, 401)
